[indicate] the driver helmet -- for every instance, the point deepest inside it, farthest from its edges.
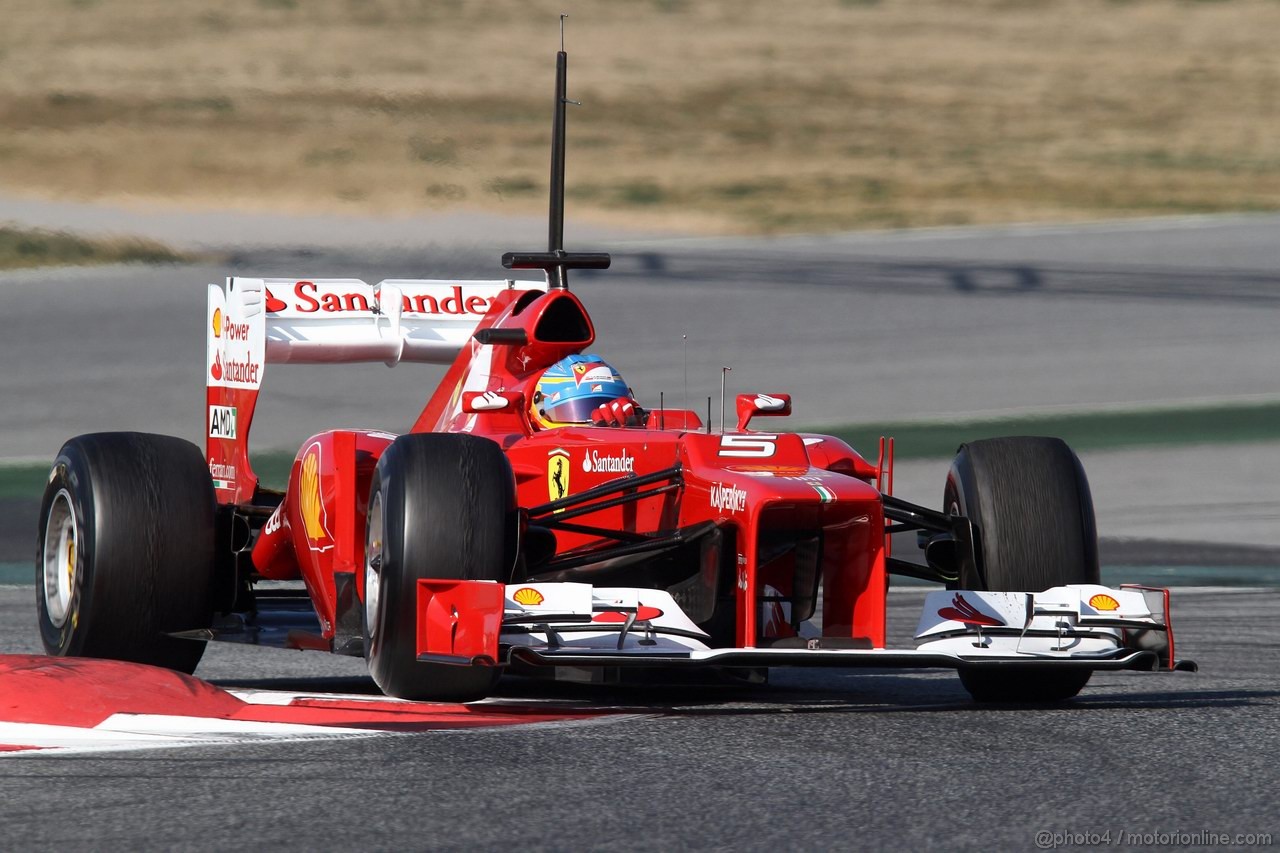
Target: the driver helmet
(571, 389)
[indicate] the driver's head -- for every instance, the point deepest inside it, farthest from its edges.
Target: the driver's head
(571, 389)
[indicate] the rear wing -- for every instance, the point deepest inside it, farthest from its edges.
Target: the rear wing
(254, 321)
(319, 321)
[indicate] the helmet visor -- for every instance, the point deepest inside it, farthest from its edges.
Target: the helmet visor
(576, 410)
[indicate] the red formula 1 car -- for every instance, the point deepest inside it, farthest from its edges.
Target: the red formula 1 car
(535, 517)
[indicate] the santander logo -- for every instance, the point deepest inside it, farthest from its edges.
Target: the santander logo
(962, 611)
(603, 463)
(307, 297)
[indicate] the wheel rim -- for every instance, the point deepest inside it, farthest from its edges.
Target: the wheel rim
(61, 538)
(373, 565)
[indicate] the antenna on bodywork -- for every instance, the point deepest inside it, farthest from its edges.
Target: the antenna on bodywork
(556, 262)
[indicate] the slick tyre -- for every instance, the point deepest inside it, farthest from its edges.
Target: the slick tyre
(125, 550)
(441, 506)
(1034, 529)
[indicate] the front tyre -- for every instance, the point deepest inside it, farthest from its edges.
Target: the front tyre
(1033, 520)
(441, 506)
(125, 550)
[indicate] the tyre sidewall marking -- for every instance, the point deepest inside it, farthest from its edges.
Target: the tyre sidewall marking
(66, 476)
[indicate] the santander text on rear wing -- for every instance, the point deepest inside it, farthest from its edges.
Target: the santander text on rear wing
(253, 321)
(341, 320)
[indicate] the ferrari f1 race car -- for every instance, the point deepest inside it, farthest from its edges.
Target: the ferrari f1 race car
(535, 518)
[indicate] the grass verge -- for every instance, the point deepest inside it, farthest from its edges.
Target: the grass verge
(27, 480)
(1082, 430)
(717, 115)
(23, 248)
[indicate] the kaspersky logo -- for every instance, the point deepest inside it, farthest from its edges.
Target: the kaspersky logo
(727, 497)
(312, 503)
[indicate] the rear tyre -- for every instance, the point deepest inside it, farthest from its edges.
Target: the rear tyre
(441, 506)
(125, 550)
(1034, 529)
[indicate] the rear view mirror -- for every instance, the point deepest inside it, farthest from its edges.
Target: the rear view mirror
(492, 401)
(764, 405)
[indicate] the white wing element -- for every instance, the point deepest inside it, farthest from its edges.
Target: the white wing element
(324, 321)
(766, 403)
(1076, 620)
(489, 401)
(234, 335)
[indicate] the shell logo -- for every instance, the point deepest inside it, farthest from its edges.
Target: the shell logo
(217, 322)
(311, 502)
(1102, 601)
(528, 596)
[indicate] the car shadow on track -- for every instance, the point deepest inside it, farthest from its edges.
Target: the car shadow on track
(839, 691)
(685, 696)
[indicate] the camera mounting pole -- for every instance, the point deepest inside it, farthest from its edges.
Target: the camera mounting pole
(556, 262)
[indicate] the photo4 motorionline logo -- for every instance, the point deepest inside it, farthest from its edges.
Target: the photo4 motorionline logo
(1046, 840)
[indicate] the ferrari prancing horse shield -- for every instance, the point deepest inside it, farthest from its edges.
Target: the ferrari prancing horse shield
(558, 468)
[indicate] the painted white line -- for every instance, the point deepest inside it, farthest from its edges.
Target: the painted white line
(38, 734)
(602, 720)
(206, 727)
(157, 731)
(284, 697)
(162, 731)
(73, 749)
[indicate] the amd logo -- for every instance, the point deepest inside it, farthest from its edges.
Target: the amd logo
(222, 422)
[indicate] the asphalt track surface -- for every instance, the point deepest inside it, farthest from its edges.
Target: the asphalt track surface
(818, 759)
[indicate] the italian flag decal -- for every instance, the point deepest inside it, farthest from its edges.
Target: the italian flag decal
(826, 494)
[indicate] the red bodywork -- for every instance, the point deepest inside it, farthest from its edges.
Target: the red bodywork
(787, 508)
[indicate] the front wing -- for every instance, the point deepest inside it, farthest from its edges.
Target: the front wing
(1081, 626)
(871, 658)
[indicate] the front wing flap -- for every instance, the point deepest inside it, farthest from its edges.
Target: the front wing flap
(870, 658)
